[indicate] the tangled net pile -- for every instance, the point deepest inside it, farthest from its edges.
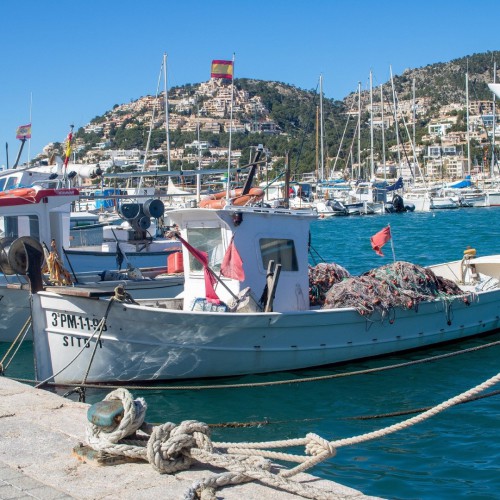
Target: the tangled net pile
(400, 284)
(321, 278)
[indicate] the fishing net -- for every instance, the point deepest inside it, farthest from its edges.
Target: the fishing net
(401, 284)
(321, 278)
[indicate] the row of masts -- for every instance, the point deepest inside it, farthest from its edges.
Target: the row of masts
(319, 119)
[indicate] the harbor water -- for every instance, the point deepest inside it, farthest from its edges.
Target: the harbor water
(455, 454)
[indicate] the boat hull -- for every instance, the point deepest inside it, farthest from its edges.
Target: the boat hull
(151, 344)
(15, 304)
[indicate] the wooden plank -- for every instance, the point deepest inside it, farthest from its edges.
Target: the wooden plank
(76, 291)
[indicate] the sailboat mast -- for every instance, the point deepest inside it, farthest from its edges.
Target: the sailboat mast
(467, 111)
(167, 126)
(414, 111)
(493, 157)
(322, 158)
(359, 129)
(395, 103)
(383, 130)
(317, 144)
(372, 163)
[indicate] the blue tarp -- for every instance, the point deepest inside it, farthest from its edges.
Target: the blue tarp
(462, 184)
(397, 185)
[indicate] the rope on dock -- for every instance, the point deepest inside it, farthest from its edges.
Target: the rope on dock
(170, 447)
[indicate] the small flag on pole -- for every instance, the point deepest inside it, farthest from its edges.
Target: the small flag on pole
(24, 132)
(68, 147)
(379, 239)
(222, 69)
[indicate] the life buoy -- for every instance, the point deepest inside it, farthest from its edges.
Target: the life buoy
(218, 200)
(20, 192)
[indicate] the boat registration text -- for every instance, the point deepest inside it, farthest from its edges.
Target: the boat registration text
(76, 322)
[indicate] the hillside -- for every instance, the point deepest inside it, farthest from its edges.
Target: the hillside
(280, 116)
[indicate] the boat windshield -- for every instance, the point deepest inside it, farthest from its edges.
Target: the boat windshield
(208, 240)
(282, 251)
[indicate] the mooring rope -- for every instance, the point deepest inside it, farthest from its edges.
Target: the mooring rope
(170, 447)
(19, 338)
(272, 383)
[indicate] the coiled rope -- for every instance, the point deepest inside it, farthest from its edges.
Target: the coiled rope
(170, 448)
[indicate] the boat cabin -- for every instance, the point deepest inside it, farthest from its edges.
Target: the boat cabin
(43, 214)
(259, 236)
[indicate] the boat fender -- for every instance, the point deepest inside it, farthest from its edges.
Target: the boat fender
(112, 276)
(469, 252)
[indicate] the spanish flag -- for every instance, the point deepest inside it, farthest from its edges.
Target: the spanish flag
(222, 69)
(24, 132)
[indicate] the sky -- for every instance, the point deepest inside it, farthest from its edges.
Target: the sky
(66, 62)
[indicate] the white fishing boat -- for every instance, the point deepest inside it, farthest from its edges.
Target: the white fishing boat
(44, 214)
(222, 331)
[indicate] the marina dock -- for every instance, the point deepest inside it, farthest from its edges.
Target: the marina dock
(39, 430)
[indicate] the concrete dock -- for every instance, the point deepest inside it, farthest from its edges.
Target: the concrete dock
(38, 430)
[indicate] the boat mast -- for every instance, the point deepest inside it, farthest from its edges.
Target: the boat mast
(383, 130)
(414, 111)
(317, 144)
(372, 164)
(493, 157)
(198, 176)
(228, 187)
(167, 126)
(151, 124)
(359, 130)
(322, 158)
(395, 103)
(467, 111)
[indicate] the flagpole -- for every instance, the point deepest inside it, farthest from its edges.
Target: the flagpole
(29, 141)
(230, 135)
(392, 245)
(167, 125)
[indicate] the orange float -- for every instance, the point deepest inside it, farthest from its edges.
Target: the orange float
(236, 198)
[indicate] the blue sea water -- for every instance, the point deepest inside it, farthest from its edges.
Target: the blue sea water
(455, 454)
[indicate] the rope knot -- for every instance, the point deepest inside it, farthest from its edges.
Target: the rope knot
(122, 296)
(169, 446)
(134, 411)
(317, 446)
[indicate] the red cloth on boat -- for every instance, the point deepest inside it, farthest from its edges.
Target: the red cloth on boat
(379, 239)
(210, 280)
(232, 265)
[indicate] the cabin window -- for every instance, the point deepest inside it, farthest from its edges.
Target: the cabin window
(209, 240)
(282, 251)
(16, 226)
(11, 183)
(2, 184)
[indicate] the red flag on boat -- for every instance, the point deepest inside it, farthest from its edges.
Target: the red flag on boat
(379, 239)
(210, 280)
(222, 69)
(232, 265)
